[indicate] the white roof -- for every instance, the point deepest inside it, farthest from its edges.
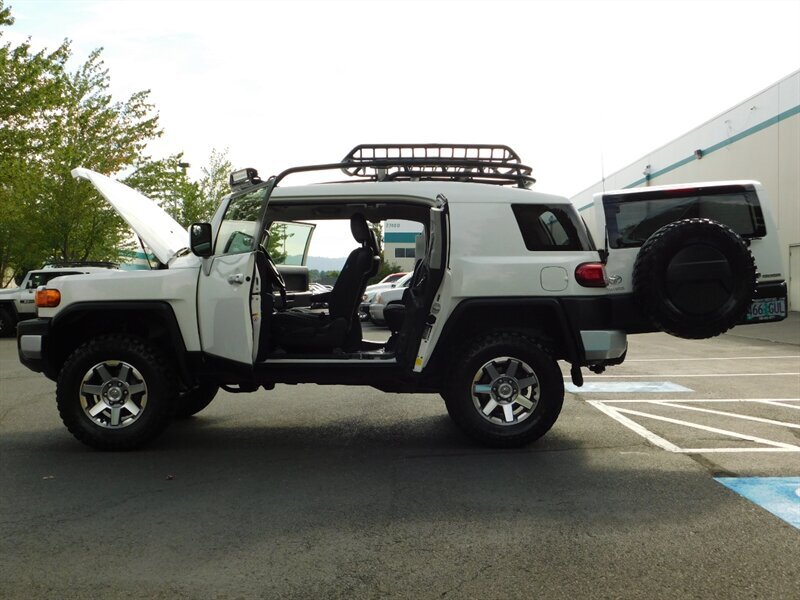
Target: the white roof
(455, 192)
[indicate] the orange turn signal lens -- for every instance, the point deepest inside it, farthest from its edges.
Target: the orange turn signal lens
(47, 298)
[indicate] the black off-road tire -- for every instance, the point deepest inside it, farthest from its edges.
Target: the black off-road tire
(192, 402)
(694, 278)
(8, 324)
(157, 377)
(461, 383)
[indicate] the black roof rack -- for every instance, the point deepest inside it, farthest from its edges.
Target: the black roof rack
(479, 163)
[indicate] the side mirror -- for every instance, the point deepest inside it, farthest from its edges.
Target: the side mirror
(200, 239)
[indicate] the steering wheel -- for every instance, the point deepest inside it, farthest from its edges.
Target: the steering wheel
(273, 274)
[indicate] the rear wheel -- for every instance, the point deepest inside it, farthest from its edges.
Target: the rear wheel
(115, 393)
(505, 390)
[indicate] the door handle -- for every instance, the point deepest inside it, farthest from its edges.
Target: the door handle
(234, 279)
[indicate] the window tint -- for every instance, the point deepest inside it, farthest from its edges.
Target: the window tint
(551, 227)
(632, 218)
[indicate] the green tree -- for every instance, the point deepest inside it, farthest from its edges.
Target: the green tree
(90, 130)
(30, 98)
(213, 186)
(166, 182)
(384, 270)
(276, 242)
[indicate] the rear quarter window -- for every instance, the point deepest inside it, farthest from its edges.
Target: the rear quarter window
(551, 228)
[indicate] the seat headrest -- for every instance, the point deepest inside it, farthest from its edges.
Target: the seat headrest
(359, 228)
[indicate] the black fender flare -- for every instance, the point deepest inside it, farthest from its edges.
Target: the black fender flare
(162, 309)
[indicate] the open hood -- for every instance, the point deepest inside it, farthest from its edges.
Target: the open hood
(162, 234)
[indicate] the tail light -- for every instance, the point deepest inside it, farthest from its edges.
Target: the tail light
(46, 298)
(591, 274)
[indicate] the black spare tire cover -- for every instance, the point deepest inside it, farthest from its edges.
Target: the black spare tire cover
(694, 278)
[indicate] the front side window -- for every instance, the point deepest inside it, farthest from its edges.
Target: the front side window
(632, 218)
(239, 228)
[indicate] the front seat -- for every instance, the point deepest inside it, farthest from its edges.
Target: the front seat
(297, 330)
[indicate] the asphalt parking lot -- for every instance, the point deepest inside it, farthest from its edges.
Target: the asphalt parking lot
(341, 492)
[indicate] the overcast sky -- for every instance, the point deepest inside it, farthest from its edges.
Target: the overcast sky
(563, 83)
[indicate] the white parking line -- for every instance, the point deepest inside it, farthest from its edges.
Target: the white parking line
(734, 434)
(778, 402)
(619, 414)
(680, 375)
(704, 358)
(684, 400)
(633, 425)
(729, 414)
(626, 387)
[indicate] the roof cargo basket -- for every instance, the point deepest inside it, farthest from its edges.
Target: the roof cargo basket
(479, 163)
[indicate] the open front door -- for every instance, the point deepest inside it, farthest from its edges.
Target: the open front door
(229, 290)
(225, 307)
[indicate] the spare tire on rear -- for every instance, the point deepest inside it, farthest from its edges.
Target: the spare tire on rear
(694, 278)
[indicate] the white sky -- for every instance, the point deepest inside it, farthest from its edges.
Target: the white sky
(563, 83)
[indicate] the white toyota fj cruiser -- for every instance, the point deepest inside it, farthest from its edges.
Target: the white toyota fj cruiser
(510, 283)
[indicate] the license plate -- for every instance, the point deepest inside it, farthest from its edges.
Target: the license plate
(766, 309)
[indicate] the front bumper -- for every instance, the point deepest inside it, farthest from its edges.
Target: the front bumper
(32, 336)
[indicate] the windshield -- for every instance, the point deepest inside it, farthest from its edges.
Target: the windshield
(239, 228)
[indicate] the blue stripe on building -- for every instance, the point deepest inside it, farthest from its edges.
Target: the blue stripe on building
(400, 237)
(713, 148)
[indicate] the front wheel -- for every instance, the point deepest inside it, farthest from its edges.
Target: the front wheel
(505, 390)
(115, 393)
(192, 402)
(7, 323)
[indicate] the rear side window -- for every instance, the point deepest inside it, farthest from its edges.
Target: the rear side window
(551, 228)
(632, 218)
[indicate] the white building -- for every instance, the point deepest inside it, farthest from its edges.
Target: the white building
(757, 139)
(399, 242)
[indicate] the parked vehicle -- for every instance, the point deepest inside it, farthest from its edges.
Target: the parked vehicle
(384, 297)
(510, 283)
(17, 304)
(371, 291)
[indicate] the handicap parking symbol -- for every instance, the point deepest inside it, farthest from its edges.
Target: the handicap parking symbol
(778, 495)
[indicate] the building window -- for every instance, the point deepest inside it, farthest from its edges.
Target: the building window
(404, 253)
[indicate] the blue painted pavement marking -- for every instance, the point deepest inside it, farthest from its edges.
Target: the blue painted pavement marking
(778, 495)
(620, 387)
